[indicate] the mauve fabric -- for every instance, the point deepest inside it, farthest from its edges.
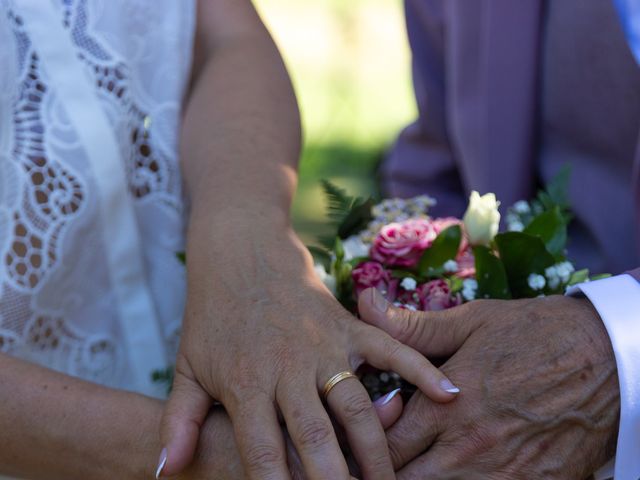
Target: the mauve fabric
(507, 93)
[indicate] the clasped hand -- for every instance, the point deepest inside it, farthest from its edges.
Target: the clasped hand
(262, 335)
(539, 391)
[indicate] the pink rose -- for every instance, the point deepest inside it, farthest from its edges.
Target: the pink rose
(372, 274)
(402, 244)
(436, 295)
(466, 264)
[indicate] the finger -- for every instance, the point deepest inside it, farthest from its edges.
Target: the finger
(353, 409)
(183, 416)
(436, 334)
(438, 463)
(293, 460)
(389, 408)
(414, 432)
(259, 438)
(386, 353)
(312, 433)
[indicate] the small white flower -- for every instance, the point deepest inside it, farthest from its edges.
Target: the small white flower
(409, 284)
(328, 280)
(482, 218)
(469, 289)
(553, 279)
(522, 207)
(514, 224)
(354, 247)
(559, 274)
(450, 266)
(565, 269)
(377, 211)
(536, 282)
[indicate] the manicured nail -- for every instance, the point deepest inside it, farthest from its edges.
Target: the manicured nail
(449, 387)
(161, 463)
(379, 302)
(387, 398)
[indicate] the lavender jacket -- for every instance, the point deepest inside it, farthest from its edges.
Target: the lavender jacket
(508, 92)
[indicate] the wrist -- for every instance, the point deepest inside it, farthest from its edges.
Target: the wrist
(135, 446)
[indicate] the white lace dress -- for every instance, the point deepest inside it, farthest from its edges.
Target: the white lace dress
(91, 207)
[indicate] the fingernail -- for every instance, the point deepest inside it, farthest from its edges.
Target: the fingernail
(387, 398)
(449, 387)
(161, 463)
(379, 302)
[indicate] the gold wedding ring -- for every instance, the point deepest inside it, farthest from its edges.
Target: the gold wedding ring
(336, 379)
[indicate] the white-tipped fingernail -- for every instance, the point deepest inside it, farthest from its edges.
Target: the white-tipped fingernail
(388, 397)
(161, 463)
(449, 387)
(379, 302)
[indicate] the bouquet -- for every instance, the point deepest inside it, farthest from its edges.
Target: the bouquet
(423, 263)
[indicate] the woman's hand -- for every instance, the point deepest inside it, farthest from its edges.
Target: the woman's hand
(262, 335)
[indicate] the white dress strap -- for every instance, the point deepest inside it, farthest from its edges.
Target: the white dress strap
(74, 86)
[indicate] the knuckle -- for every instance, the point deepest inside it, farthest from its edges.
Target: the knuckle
(378, 464)
(392, 348)
(314, 433)
(358, 409)
(263, 457)
(479, 441)
(396, 453)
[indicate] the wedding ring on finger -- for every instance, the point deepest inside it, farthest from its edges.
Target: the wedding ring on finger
(336, 379)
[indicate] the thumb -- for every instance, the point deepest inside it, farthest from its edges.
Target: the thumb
(184, 414)
(434, 334)
(389, 408)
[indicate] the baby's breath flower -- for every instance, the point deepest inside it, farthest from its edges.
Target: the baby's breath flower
(355, 247)
(522, 207)
(469, 289)
(536, 282)
(514, 223)
(450, 266)
(409, 284)
(559, 274)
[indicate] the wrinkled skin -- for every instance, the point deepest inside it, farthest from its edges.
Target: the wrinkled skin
(539, 391)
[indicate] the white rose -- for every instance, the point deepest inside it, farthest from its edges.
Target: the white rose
(328, 280)
(482, 218)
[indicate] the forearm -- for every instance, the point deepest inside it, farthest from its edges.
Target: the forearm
(241, 136)
(53, 426)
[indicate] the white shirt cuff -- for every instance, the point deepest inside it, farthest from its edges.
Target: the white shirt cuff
(617, 300)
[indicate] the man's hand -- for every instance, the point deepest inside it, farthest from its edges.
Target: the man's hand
(539, 400)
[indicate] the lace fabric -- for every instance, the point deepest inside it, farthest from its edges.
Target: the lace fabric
(56, 296)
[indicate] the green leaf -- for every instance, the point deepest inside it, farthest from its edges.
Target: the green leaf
(338, 249)
(320, 255)
(455, 284)
(600, 276)
(490, 275)
(579, 277)
(445, 247)
(522, 254)
(182, 256)
(551, 228)
(354, 262)
(348, 214)
(558, 188)
(356, 219)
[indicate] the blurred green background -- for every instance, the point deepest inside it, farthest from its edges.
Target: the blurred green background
(350, 65)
